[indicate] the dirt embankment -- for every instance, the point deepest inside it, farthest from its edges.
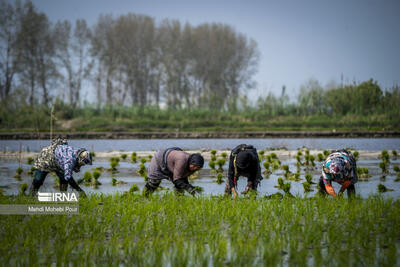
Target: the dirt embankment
(194, 135)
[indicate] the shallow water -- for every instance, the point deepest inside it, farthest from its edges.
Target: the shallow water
(371, 144)
(127, 173)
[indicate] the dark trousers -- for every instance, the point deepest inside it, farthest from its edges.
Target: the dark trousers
(39, 177)
(351, 190)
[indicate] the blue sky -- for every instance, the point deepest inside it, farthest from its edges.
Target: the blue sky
(298, 40)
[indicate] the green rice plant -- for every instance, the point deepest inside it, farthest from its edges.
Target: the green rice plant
(396, 168)
(199, 189)
(362, 173)
(280, 183)
(213, 158)
(268, 158)
(385, 156)
(261, 154)
(18, 173)
(309, 177)
(224, 155)
(114, 165)
(87, 177)
(266, 166)
(123, 156)
(150, 157)
(213, 152)
(212, 165)
(299, 153)
(134, 188)
(394, 153)
(94, 179)
(96, 174)
(92, 154)
(29, 160)
(133, 157)
(142, 170)
(320, 157)
(276, 195)
(275, 166)
(382, 188)
(294, 177)
(326, 153)
(274, 156)
(312, 158)
(307, 152)
(356, 154)
(143, 160)
(114, 181)
(31, 171)
(307, 187)
(383, 166)
(307, 158)
(287, 171)
(221, 163)
(23, 188)
(286, 189)
(219, 180)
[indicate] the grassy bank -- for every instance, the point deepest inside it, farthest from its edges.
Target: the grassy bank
(151, 119)
(184, 231)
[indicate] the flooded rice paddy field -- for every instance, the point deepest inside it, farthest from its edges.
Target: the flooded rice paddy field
(127, 173)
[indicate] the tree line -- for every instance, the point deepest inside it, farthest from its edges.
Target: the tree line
(127, 60)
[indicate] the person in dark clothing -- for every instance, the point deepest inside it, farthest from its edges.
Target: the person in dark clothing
(175, 165)
(243, 161)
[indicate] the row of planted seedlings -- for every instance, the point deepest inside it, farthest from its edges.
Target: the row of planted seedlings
(217, 161)
(384, 165)
(165, 230)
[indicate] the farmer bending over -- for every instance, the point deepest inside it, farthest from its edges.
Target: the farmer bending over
(175, 165)
(62, 159)
(340, 166)
(243, 161)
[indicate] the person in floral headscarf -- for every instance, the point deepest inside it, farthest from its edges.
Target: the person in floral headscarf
(340, 167)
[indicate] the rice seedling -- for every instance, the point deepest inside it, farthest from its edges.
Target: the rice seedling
(312, 158)
(394, 153)
(385, 156)
(114, 163)
(382, 188)
(220, 163)
(114, 181)
(307, 152)
(213, 158)
(308, 178)
(261, 154)
(29, 161)
(320, 157)
(143, 160)
(286, 188)
(274, 156)
(87, 177)
(220, 179)
(212, 165)
(356, 154)
(383, 166)
(307, 187)
(123, 156)
(150, 157)
(96, 174)
(23, 188)
(275, 166)
(363, 173)
(133, 157)
(280, 183)
(18, 173)
(266, 166)
(134, 188)
(326, 153)
(213, 152)
(92, 154)
(94, 179)
(31, 171)
(224, 155)
(142, 170)
(287, 171)
(268, 158)
(294, 177)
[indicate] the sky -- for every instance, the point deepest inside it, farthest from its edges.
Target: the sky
(298, 40)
